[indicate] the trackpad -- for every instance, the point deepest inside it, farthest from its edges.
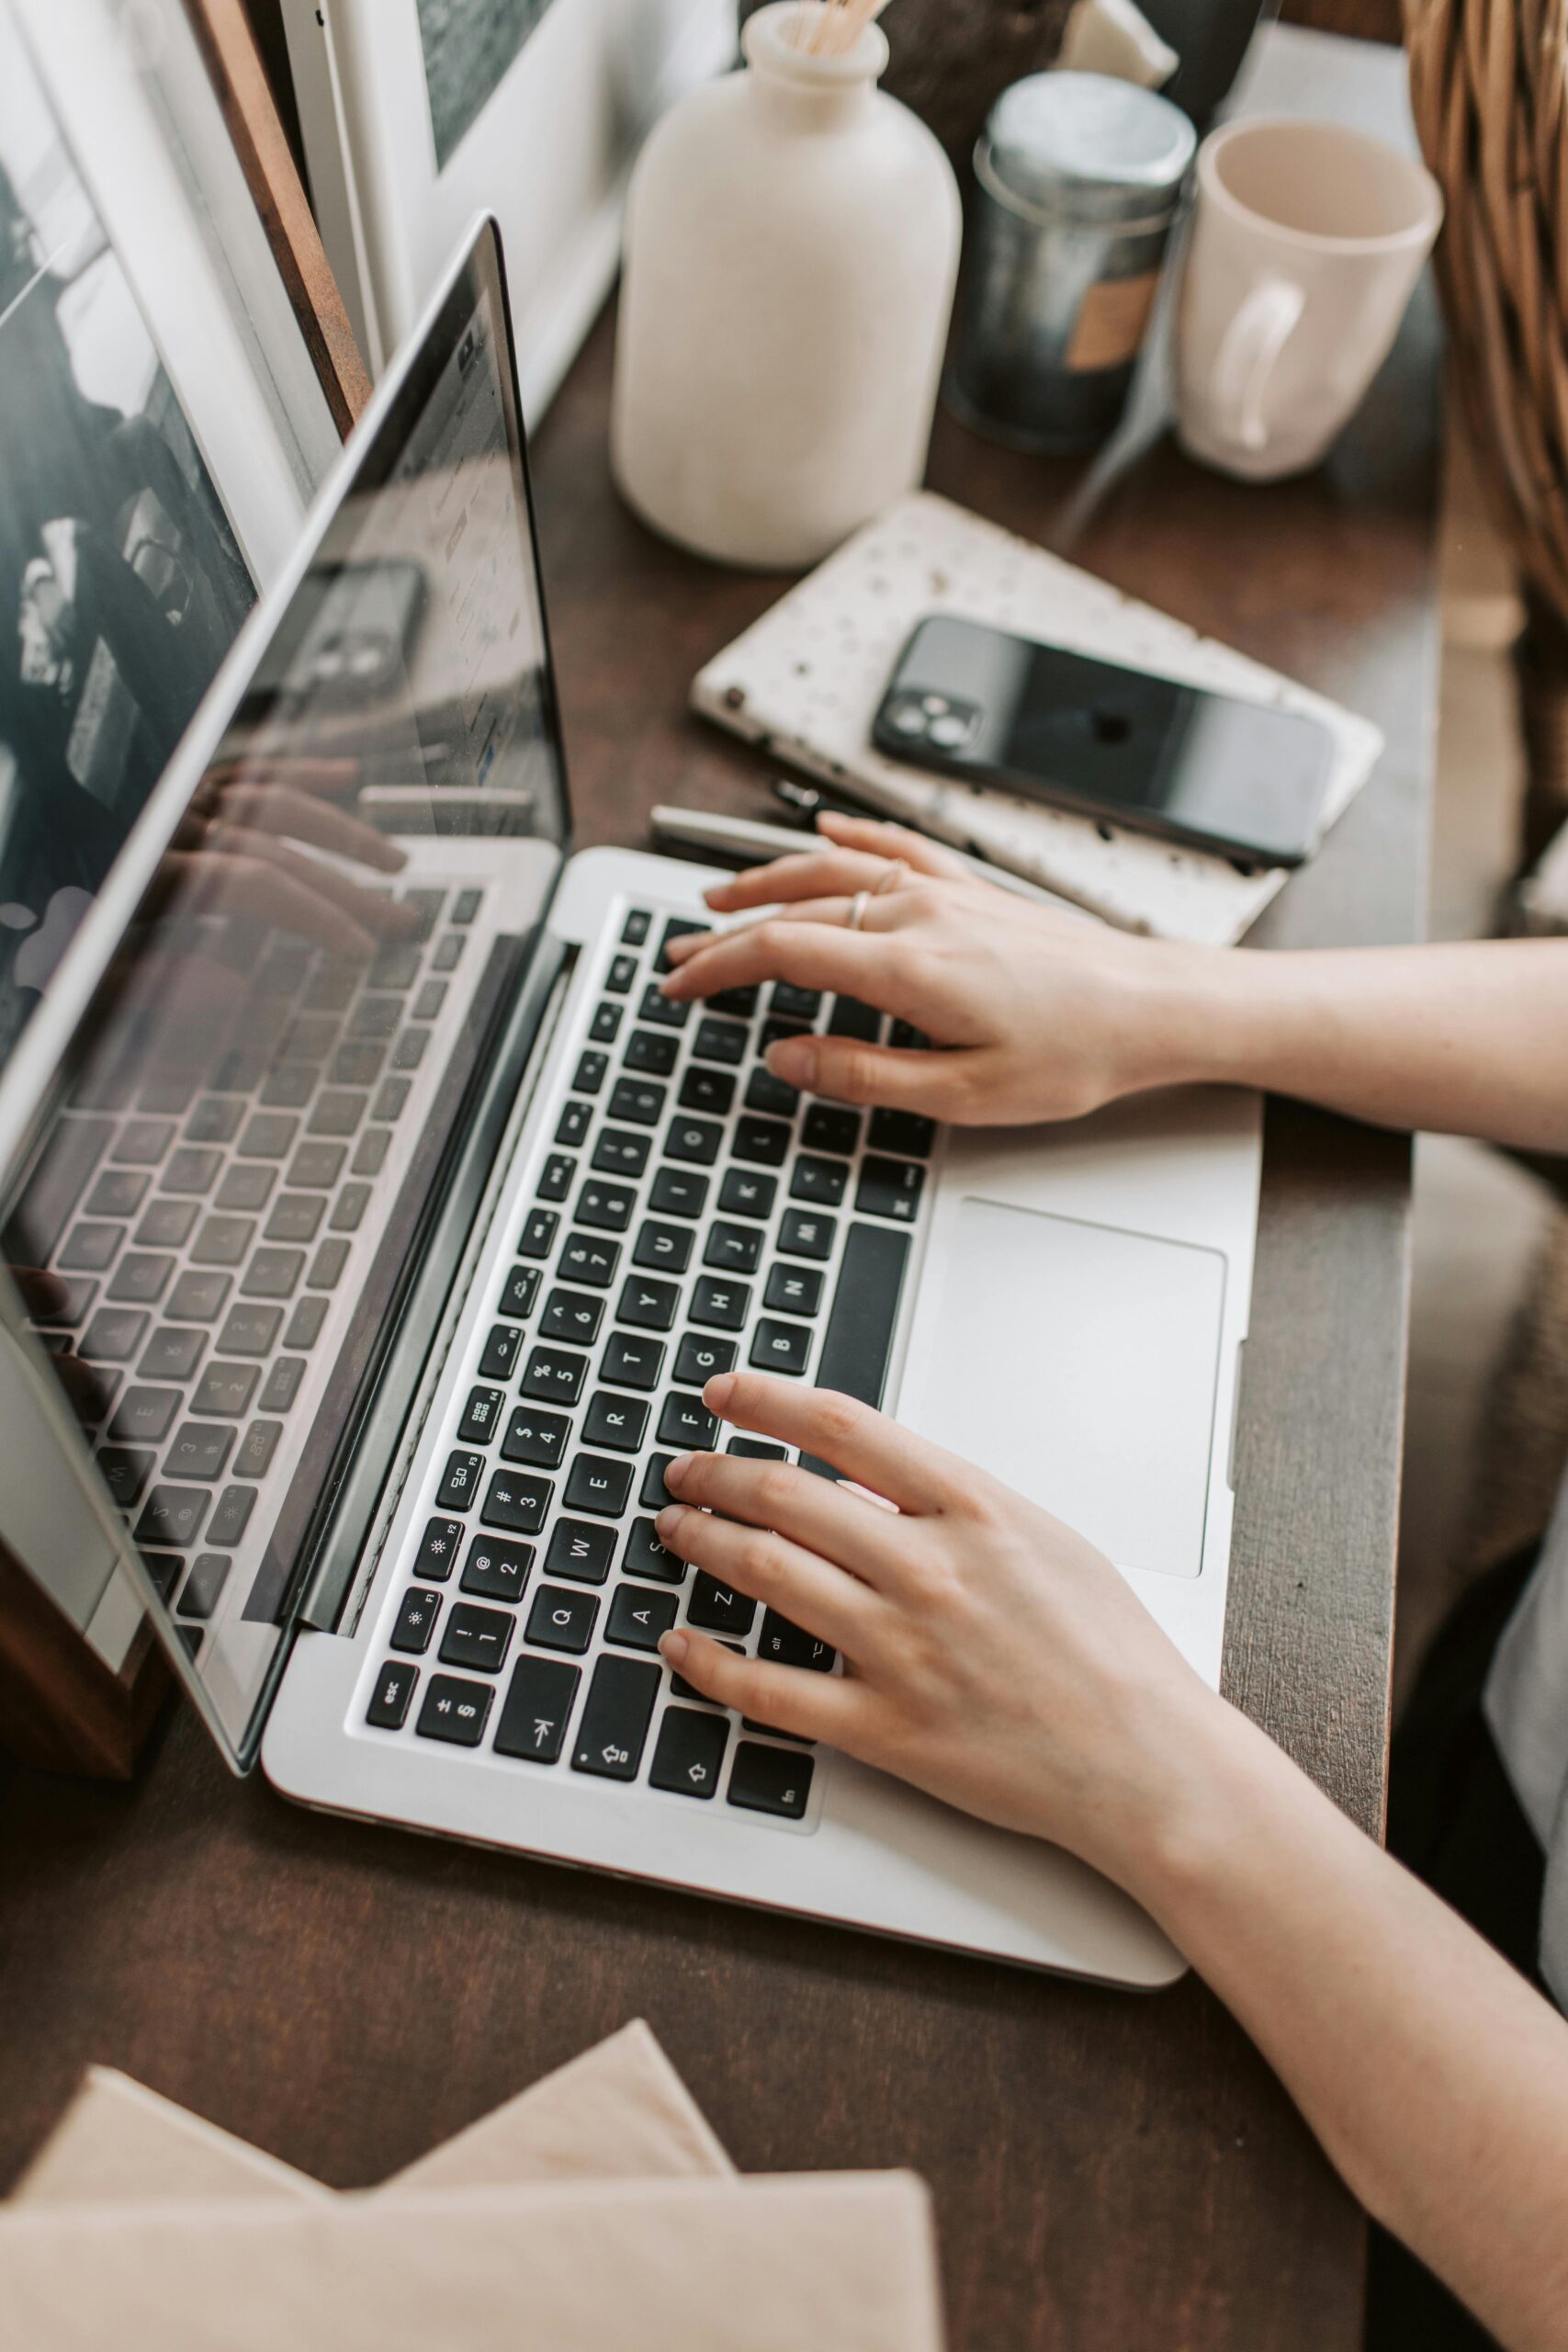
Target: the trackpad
(1078, 1362)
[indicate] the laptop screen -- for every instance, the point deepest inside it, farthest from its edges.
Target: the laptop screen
(268, 1029)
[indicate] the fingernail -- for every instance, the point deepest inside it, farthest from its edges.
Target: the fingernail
(795, 1060)
(677, 1469)
(667, 1520)
(672, 1648)
(718, 1391)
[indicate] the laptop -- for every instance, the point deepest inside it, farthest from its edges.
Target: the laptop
(361, 1293)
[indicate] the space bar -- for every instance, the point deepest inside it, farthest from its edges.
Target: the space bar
(859, 1329)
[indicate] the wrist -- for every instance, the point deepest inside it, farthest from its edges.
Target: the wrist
(1215, 1015)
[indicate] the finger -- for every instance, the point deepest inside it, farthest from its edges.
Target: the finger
(301, 770)
(383, 916)
(887, 1075)
(863, 1444)
(782, 1500)
(786, 1698)
(43, 1294)
(881, 839)
(812, 954)
(806, 874)
(838, 1609)
(214, 883)
(278, 809)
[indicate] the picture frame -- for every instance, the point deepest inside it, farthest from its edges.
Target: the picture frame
(417, 114)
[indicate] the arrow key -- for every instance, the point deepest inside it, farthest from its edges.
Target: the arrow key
(638, 1617)
(689, 1756)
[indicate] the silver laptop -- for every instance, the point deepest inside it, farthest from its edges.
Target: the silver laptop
(363, 1297)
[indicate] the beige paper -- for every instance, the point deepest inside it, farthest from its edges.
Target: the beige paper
(619, 2111)
(823, 2263)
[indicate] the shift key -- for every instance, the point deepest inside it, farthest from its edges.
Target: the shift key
(615, 1721)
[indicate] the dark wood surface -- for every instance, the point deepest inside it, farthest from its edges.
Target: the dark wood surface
(1112, 2173)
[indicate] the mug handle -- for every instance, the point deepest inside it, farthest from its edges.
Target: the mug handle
(1246, 360)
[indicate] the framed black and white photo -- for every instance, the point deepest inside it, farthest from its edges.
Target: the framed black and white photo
(417, 114)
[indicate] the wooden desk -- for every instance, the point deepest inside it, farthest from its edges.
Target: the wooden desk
(1112, 2173)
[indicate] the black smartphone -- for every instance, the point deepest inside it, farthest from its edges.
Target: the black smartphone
(981, 705)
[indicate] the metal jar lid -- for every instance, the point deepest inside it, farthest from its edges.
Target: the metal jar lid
(1086, 147)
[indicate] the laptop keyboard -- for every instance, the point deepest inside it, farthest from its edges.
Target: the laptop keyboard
(209, 1234)
(689, 1214)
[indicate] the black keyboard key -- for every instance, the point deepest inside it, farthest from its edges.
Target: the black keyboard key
(197, 1298)
(699, 1359)
(743, 1193)
(681, 1689)
(589, 1076)
(621, 1700)
(688, 1755)
(638, 1618)
(119, 1191)
(734, 1249)
(555, 1377)
(617, 1422)
(784, 1644)
(495, 1569)
(676, 928)
(358, 1063)
(772, 1095)
(650, 1052)
(679, 1191)
(588, 1259)
(907, 1039)
(249, 1330)
(248, 1186)
(466, 906)
(167, 1225)
(538, 1439)
(173, 1515)
(447, 952)
(781, 1347)
(500, 1353)
(305, 1323)
(821, 1181)
(685, 1422)
(573, 1314)
(619, 1152)
(480, 1415)
(635, 930)
(516, 1503)
(560, 1620)
(427, 906)
(460, 1481)
(804, 1234)
(348, 1209)
(282, 1385)
(580, 1550)
(608, 1207)
(269, 1134)
(315, 1167)
(518, 1294)
(718, 1610)
(632, 1361)
(720, 1041)
(662, 1011)
(695, 1141)
(143, 1142)
(232, 1516)
(140, 1278)
(273, 1273)
(295, 1217)
(637, 1102)
(539, 1234)
(655, 1494)
(559, 1171)
(393, 967)
(327, 1265)
(124, 1472)
(794, 1003)
(214, 1120)
(773, 1030)
(771, 1780)
(596, 1483)
(203, 1587)
(849, 1018)
(145, 1416)
(890, 1188)
(647, 1556)
(826, 1127)
(573, 1123)
(200, 1449)
(437, 1549)
(289, 1086)
(455, 1711)
(741, 1002)
(905, 1133)
(605, 1024)
(663, 1247)
(391, 1696)
(793, 1290)
(621, 974)
(858, 1337)
(377, 1016)
(764, 1141)
(428, 1004)
(721, 1306)
(707, 1090)
(646, 1304)
(88, 1249)
(757, 1448)
(474, 1637)
(370, 1151)
(170, 1354)
(537, 1709)
(390, 1097)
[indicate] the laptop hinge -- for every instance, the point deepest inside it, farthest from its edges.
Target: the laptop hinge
(372, 1490)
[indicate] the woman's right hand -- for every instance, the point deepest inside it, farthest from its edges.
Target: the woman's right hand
(1035, 1014)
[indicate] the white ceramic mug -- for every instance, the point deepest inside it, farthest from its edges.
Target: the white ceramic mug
(1306, 245)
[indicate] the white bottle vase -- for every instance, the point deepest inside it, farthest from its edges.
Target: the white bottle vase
(792, 242)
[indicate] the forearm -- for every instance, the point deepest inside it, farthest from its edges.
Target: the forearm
(1435, 2078)
(1471, 1039)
